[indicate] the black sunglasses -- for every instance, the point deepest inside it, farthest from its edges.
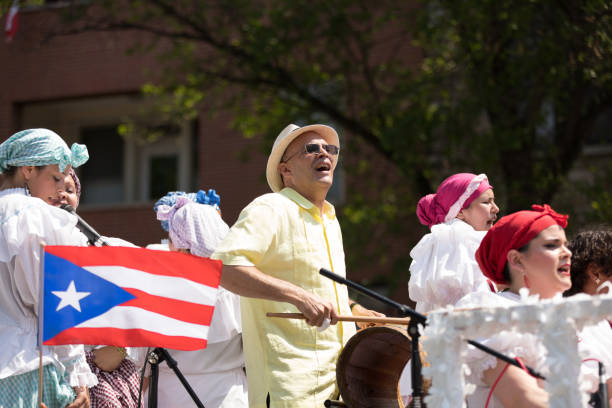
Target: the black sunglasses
(315, 148)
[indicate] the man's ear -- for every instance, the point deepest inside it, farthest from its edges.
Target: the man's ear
(284, 170)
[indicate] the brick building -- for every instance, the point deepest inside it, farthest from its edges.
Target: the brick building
(82, 87)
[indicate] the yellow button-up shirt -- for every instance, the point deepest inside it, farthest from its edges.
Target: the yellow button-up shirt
(283, 235)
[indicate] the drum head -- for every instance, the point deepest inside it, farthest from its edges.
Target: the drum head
(369, 367)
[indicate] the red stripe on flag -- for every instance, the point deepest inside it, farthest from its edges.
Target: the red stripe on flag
(12, 22)
(166, 263)
(176, 309)
(125, 338)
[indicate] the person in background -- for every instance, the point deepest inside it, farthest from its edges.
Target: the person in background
(216, 373)
(592, 275)
(443, 267)
(34, 164)
(118, 377)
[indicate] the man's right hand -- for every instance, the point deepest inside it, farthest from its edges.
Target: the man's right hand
(315, 309)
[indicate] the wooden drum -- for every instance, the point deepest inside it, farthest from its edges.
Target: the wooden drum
(369, 367)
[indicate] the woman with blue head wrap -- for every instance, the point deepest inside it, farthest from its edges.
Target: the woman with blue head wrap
(39, 161)
(216, 373)
(34, 164)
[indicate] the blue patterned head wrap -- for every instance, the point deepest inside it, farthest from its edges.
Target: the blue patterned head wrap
(40, 147)
(211, 198)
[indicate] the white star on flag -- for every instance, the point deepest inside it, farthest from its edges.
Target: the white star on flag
(70, 297)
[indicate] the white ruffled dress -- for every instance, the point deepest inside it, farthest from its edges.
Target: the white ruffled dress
(444, 268)
(25, 223)
(594, 342)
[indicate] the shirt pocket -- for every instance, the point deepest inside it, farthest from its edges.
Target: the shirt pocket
(304, 264)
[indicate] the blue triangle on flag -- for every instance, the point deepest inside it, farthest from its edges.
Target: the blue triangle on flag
(58, 275)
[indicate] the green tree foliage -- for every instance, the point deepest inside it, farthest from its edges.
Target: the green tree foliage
(507, 87)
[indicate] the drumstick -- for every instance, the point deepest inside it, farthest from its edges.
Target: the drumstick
(341, 318)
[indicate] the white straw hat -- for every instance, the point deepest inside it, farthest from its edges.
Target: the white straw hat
(283, 140)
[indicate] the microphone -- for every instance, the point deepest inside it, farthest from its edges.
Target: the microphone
(92, 236)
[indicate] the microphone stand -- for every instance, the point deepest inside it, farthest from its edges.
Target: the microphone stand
(600, 399)
(154, 358)
(417, 318)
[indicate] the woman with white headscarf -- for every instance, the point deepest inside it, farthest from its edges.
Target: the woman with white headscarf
(34, 164)
(215, 373)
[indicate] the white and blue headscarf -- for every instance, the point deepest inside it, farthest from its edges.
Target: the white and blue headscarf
(192, 225)
(201, 197)
(40, 147)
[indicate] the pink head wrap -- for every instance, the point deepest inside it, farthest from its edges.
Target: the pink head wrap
(77, 183)
(454, 194)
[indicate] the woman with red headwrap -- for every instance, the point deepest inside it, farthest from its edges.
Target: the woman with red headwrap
(526, 249)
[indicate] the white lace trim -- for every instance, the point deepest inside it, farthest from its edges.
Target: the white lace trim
(458, 205)
(554, 321)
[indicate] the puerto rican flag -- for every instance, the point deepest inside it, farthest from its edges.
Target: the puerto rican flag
(10, 27)
(123, 296)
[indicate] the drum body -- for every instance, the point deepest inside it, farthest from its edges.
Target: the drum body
(369, 367)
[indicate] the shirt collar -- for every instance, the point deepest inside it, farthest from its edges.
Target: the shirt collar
(328, 209)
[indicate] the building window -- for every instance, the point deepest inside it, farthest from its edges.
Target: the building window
(120, 170)
(164, 175)
(102, 175)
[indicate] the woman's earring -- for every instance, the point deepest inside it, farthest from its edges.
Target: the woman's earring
(597, 280)
(27, 189)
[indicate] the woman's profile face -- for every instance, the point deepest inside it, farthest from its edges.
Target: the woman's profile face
(46, 182)
(547, 262)
(482, 212)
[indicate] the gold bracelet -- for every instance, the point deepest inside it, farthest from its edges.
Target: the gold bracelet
(122, 350)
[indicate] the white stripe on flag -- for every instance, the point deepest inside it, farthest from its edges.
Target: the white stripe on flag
(166, 286)
(128, 317)
(10, 17)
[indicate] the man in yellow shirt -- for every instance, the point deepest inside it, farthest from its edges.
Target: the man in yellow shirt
(272, 256)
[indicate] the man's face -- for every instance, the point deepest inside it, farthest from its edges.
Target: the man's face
(304, 171)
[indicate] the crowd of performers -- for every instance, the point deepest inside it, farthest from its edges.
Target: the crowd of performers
(271, 259)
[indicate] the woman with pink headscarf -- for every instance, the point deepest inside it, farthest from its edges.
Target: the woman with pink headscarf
(443, 267)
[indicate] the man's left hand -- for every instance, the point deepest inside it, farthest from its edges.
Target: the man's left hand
(359, 310)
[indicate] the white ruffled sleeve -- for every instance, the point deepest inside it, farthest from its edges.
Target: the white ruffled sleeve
(77, 371)
(444, 268)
